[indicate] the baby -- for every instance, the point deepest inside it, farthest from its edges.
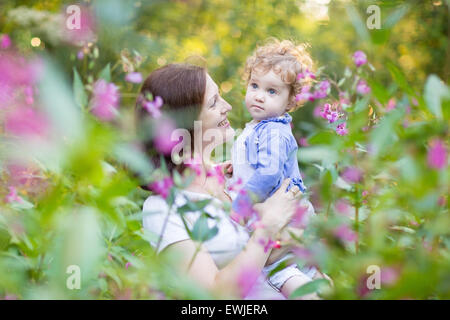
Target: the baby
(266, 152)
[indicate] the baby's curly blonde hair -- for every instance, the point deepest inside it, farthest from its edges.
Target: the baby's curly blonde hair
(286, 59)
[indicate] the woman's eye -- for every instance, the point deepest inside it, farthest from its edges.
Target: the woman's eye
(214, 103)
(272, 91)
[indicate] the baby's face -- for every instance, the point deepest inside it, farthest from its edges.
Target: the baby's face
(267, 96)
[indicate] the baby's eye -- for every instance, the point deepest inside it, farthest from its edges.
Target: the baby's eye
(254, 85)
(272, 91)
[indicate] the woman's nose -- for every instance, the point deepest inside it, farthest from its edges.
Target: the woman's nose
(226, 106)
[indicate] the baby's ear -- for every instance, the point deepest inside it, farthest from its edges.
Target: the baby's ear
(291, 104)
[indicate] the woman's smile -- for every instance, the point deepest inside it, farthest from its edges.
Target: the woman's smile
(224, 123)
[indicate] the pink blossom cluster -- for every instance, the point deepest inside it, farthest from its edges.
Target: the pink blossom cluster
(105, 100)
(437, 155)
(362, 88)
(360, 58)
(321, 91)
(269, 244)
(152, 106)
(329, 113)
(162, 187)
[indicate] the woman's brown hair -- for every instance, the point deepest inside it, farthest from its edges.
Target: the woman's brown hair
(182, 89)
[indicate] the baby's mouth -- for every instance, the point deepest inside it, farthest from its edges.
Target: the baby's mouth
(224, 123)
(257, 107)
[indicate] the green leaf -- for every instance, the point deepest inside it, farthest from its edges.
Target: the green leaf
(321, 154)
(135, 159)
(78, 90)
(362, 104)
(358, 24)
(193, 206)
(395, 16)
(322, 137)
(309, 287)
(399, 78)
(4, 238)
(201, 232)
(384, 135)
(105, 74)
(435, 92)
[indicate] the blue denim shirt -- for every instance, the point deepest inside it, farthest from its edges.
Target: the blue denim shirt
(271, 150)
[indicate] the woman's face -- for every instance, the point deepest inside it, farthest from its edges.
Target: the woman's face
(213, 115)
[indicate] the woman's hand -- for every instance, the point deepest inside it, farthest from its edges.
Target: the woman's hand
(276, 212)
(228, 168)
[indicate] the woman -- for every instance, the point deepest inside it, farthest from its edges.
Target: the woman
(221, 263)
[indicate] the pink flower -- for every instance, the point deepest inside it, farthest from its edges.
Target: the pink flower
(269, 244)
(299, 219)
(341, 129)
(306, 74)
(162, 187)
(359, 58)
(442, 201)
(5, 41)
(105, 101)
(322, 90)
(344, 233)
(437, 155)
(127, 265)
(246, 280)
(329, 114)
(303, 142)
(343, 99)
(217, 172)
(153, 107)
(12, 195)
(343, 207)
(352, 175)
(29, 99)
(134, 77)
(195, 165)
(317, 111)
(85, 32)
(389, 275)
(391, 104)
(362, 88)
(365, 193)
(243, 208)
(235, 184)
(162, 139)
(80, 55)
(26, 121)
(304, 94)
(17, 71)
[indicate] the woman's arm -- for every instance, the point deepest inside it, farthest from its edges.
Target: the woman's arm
(204, 271)
(276, 212)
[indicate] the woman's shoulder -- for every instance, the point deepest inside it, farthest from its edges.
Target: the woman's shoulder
(154, 202)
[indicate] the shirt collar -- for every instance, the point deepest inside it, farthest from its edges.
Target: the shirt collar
(285, 118)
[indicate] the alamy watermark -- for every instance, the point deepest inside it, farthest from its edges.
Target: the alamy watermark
(74, 280)
(374, 19)
(73, 21)
(374, 280)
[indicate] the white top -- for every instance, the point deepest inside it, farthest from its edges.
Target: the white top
(229, 241)
(224, 247)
